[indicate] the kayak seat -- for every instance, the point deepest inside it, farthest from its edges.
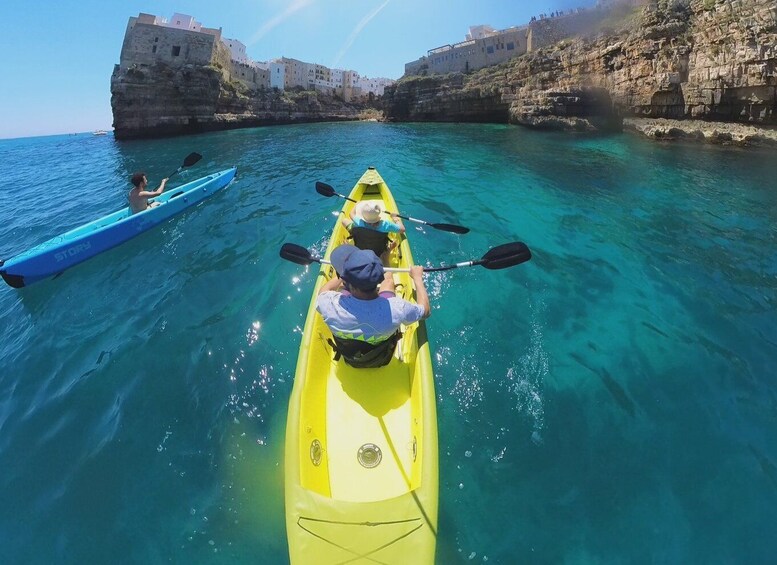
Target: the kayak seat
(362, 355)
(366, 238)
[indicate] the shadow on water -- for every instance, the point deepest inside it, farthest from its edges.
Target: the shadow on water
(616, 390)
(440, 207)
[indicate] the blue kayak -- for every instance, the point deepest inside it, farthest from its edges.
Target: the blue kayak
(76, 246)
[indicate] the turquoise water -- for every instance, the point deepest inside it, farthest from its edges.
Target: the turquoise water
(611, 401)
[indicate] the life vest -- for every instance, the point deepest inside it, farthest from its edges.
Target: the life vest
(363, 355)
(366, 238)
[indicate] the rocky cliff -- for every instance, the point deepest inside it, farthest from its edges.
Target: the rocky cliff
(680, 59)
(159, 100)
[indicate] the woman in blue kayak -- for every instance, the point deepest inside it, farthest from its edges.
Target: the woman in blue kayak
(369, 231)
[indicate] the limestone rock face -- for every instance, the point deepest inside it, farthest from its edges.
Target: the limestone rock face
(157, 100)
(447, 98)
(678, 59)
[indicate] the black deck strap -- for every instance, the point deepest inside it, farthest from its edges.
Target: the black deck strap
(334, 348)
(363, 355)
(367, 238)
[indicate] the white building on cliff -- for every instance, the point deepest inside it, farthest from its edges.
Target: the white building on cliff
(183, 40)
(484, 46)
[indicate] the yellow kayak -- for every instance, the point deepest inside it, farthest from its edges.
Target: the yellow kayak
(361, 444)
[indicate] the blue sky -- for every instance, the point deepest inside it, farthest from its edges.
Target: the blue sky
(56, 57)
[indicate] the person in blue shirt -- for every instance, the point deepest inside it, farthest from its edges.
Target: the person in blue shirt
(370, 231)
(366, 314)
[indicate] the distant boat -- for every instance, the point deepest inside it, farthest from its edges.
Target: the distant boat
(100, 132)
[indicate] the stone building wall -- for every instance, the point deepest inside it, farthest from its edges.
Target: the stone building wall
(147, 44)
(473, 54)
(418, 67)
(550, 30)
(251, 76)
(222, 57)
(297, 73)
(476, 54)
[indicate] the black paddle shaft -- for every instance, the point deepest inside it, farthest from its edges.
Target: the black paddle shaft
(442, 227)
(499, 257)
(297, 254)
(326, 190)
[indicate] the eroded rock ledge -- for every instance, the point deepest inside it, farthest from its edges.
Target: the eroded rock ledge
(705, 60)
(697, 130)
(157, 100)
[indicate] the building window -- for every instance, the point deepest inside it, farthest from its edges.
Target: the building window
(153, 49)
(156, 40)
(490, 49)
(176, 50)
(510, 46)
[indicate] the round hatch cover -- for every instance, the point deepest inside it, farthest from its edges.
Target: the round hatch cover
(369, 455)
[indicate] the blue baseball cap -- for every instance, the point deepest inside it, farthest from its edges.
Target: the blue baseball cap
(360, 268)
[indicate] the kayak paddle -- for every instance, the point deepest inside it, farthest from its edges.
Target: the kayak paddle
(326, 190)
(190, 160)
(301, 256)
(499, 257)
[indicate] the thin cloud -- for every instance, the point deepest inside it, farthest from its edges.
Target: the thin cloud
(293, 8)
(355, 33)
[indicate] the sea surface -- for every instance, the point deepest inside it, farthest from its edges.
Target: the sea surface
(614, 400)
